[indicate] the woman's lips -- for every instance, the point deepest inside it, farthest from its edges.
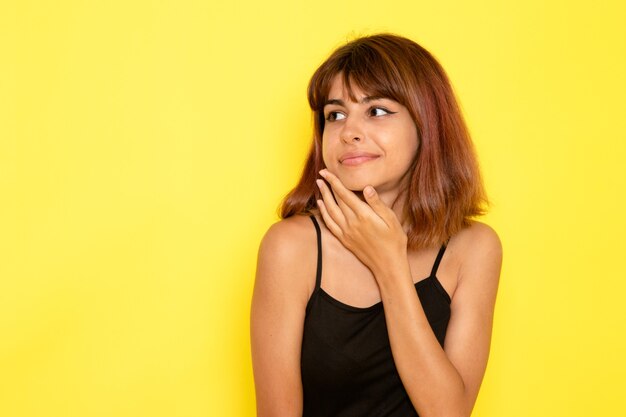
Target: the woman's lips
(357, 160)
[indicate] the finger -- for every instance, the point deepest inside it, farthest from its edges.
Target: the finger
(346, 196)
(378, 205)
(333, 210)
(347, 211)
(345, 208)
(330, 223)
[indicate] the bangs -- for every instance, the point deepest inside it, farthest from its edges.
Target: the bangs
(369, 69)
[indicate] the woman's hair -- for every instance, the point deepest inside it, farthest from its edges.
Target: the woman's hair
(445, 188)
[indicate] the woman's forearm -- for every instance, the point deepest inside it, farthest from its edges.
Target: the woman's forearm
(432, 382)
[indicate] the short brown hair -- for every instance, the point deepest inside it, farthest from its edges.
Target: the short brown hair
(445, 187)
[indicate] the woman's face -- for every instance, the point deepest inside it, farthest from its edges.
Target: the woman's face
(369, 142)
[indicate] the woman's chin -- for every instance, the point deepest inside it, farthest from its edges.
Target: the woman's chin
(355, 185)
(353, 182)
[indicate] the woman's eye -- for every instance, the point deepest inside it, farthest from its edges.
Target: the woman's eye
(335, 115)
(379, 111)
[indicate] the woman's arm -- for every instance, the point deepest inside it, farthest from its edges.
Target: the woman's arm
(445, 382)
(440, 382)
(285, 261)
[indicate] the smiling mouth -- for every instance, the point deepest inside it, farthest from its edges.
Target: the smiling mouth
(358, 160)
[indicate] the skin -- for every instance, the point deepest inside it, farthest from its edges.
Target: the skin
(378, 126)
(366, 260)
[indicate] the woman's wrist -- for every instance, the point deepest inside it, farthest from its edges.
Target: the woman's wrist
(392, 269)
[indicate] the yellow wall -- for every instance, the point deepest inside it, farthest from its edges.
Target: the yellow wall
(144, 147)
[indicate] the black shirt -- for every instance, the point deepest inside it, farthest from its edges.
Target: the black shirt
(346, 363)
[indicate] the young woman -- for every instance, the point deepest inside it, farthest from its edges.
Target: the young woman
(375, 294)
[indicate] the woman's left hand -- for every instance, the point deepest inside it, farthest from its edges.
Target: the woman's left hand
(370, 229)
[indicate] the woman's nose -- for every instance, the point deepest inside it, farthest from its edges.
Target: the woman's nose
(352, 131)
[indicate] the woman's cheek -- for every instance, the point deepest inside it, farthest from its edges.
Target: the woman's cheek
(328, 159)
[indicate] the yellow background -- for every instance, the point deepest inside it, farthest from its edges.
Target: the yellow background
(144, 148)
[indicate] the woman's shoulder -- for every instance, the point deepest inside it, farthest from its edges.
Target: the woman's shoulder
(291, 235)
(479, 247)
(288, 256)
(479, 234)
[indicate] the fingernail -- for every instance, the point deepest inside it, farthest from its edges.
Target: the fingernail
(369, 191)
(323, 172)
(319, 183)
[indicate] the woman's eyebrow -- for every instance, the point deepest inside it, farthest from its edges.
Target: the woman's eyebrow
(342, 103)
